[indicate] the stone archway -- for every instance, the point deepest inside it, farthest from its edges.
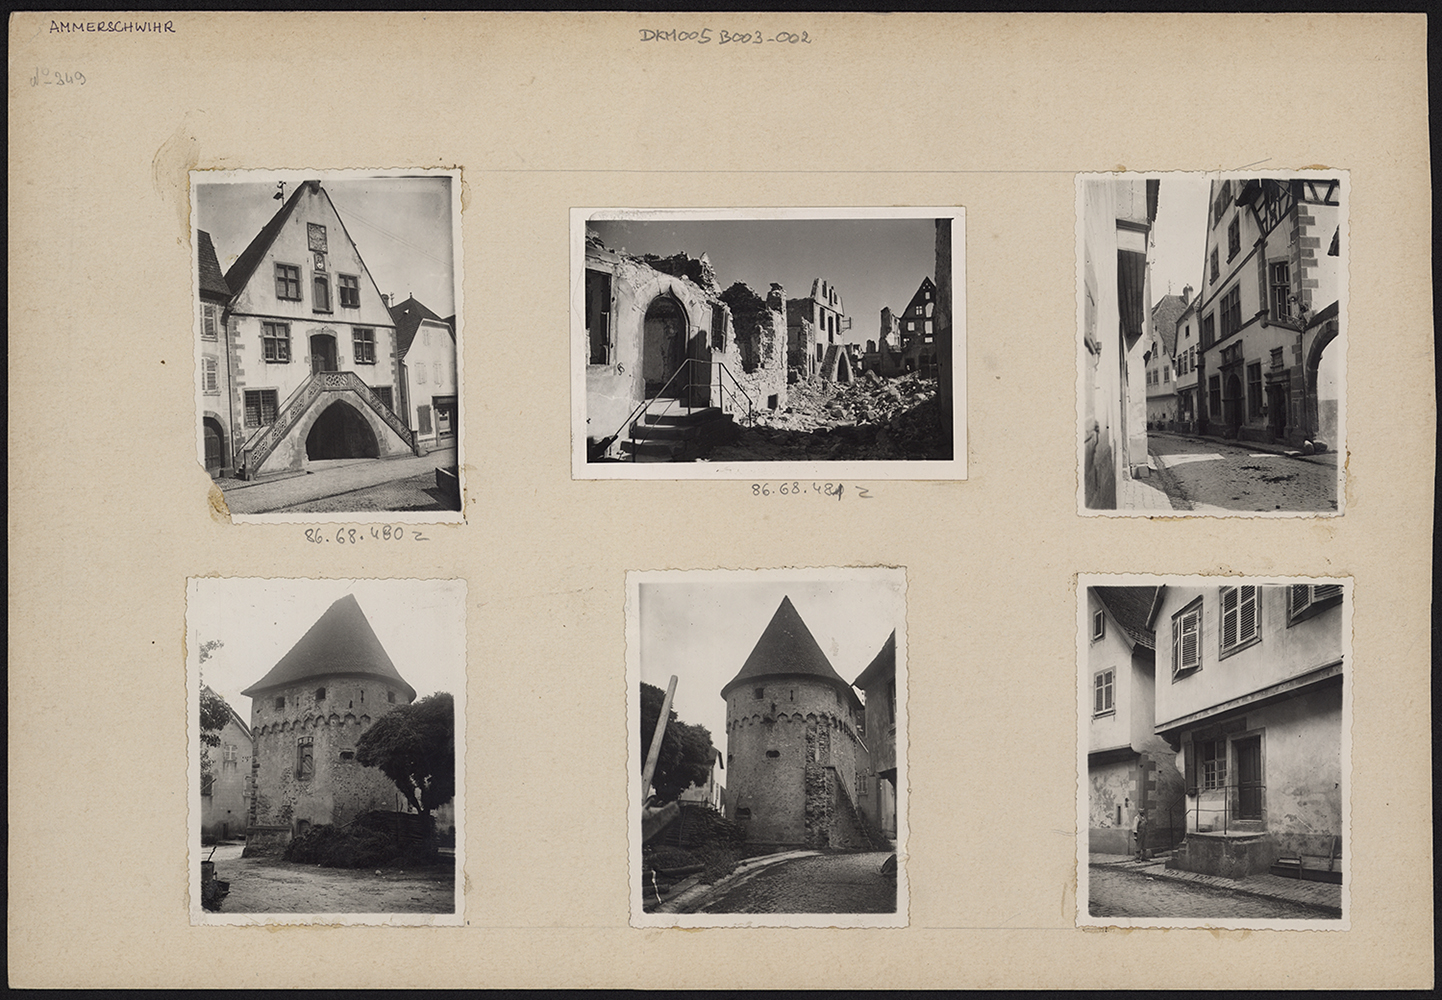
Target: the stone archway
(341, 432)
(1316, 426)
(663, 342)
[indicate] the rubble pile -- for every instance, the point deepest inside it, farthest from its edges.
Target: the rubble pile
(868, 418)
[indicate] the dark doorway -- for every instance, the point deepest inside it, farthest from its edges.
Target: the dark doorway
(322, 353)
(1249, 777)
(663, 344)
(214, 446)
(341, 432)
(1232, 403)
(1278, 397)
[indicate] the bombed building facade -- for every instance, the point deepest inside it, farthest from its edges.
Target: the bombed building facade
(306, 715)
(663, 337)
(814, 328)
(794, 751)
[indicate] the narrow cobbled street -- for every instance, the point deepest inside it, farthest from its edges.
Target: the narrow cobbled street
(1202, 475)
(828, 883)
(1121, 893)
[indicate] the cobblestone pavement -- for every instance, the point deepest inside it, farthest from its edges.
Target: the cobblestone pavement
(416, 493)
(828, 883)
(332, 479)
(1216, 475)
(1142, 494)
(1120, 892)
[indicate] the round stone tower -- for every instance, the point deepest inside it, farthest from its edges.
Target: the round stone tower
(306, 715)
(792, 744)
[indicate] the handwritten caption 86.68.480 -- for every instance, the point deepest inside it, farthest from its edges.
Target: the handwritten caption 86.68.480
(355, 536)
(706, 36)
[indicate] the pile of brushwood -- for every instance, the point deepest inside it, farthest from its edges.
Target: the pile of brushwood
(714, 846)
(360, 845)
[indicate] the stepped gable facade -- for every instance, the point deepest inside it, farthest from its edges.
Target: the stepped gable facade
(307, 713)
(793, 749)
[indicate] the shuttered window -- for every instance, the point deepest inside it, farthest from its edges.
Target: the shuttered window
(1103, 693)
(1241, 618)
(1305, 600)
(1187, 639)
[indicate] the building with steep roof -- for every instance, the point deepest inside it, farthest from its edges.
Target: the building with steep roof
(306, 715)
(306, 343)
(212, 370)
(225, 791)
(793, 747)
(1135, 800)
(814, 328)
(426, 349)
(1161, 384)
(878, 780)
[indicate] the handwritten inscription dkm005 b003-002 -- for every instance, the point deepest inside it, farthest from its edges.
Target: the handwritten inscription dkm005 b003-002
(705, 36)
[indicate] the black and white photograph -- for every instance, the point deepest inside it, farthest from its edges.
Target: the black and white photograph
(1211, 311)
(767, 735)
(326, 751)
(1214, 748)
(327, 343)
(738, 344)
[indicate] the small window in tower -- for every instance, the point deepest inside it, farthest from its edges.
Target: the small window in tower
(391, 697)
(773, 754)
(347, 755)
(320, 694)
(363, 696)
(280, 702)
(759, 693)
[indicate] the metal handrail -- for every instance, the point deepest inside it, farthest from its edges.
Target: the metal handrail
(1226, 806)
(689, 388)
(263, 441)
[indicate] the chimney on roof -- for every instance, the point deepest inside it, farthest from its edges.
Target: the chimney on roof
(386, 298)
(1186, 294)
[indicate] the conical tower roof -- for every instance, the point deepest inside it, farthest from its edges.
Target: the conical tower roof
(340, 643)
(787, 648)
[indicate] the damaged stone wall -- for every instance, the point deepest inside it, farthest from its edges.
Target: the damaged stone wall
(759, 338)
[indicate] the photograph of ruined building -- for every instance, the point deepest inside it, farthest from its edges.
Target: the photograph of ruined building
(1212, 316)
(790, 338)
(807, 766)
(326, 716)
(1212, 726)
(326, 367)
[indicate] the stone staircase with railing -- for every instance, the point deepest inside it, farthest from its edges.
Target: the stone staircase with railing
(264, 441)
(666, 431)
(870, 839)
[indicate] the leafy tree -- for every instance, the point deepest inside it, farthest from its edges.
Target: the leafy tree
(685, 757)
(214, 714)
(415, 746)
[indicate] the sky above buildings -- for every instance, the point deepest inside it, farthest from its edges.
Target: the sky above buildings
(872, 262)
(1178, 256)
(402, 226)
(420, 624)
(703, 631)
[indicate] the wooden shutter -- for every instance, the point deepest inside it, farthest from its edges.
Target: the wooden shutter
(1248, 614)
(1326, 591)
(1229, 617)
(1097, 694)
(1189, 767)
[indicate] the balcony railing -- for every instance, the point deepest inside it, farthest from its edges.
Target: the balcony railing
(1227, 805)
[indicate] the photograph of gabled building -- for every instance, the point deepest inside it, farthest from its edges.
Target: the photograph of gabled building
(302, 367)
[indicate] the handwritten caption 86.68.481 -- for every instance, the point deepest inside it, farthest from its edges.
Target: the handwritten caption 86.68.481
(794, 489)
(706, 36)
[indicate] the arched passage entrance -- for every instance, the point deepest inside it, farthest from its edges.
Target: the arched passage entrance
(214, 445)
(1324, 362)
(663, 343)
(341, 432)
